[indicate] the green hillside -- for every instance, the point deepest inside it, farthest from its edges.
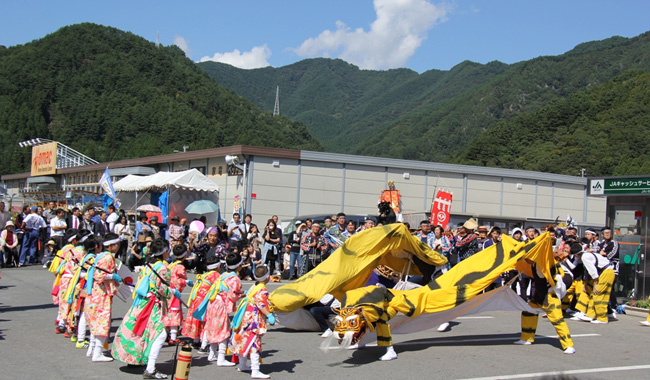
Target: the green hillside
(113, 95)
(604, 130)
(430, 116)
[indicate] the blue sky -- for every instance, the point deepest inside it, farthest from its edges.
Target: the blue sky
(379, 34)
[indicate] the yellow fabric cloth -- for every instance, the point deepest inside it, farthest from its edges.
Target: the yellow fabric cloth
(350, 266)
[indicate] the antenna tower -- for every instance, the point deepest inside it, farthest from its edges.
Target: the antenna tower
(157, 38)
(276, 108)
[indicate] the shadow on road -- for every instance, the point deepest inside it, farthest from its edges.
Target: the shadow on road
(6, 309)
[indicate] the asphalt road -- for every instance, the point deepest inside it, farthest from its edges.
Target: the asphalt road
(476, 347)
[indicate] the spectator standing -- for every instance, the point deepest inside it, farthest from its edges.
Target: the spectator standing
(254, 238)
(32, 224)
(312, 245)
(466, 241)
(271, 255)
(175, 231)
(335, 236)
(50, 212)
(156, 229)
(5, 216)
(236, 231)
(87, 223)
(123, 230)
(294, 254)
(75, 221)
(142, 230)
(58, 226)
(111, 218)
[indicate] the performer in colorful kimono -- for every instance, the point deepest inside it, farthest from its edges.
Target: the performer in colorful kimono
(101, 286)
(222, 297)
(92, 248)
(249, 324)
(75, 287)
(174, 317)
(192, 327)
(142, 333)
(62, 279)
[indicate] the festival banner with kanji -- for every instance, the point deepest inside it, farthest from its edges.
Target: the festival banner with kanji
(441, 208)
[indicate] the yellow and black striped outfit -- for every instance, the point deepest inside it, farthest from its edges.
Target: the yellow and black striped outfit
(549, 302)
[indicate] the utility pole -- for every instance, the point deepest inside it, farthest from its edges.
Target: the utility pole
(276, 108)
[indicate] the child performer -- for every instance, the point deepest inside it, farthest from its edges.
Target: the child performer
(142, 333)
(71, 294)
(192, 327)
(174, 317)
(222, 296)
(101, 286)
(62, 279)
(249, 324)
(92, 248)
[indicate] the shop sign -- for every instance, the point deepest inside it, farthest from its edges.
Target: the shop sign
(44, 159)
(616, 186)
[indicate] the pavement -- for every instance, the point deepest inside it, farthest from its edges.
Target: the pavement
(475, 347)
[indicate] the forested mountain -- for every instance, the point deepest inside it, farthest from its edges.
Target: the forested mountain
(604, 130)
(112, 95)
(433, 115)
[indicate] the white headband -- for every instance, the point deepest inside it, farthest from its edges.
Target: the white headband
(263, 278)
(109, 242)
(71, 238)
(83, 239)
(591, 231)
(236, 265)
(213, 266)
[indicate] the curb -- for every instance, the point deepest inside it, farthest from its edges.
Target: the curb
(636, 311)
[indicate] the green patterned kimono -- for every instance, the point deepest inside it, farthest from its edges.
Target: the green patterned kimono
(143, 323)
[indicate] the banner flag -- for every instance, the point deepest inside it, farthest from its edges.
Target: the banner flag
(106, 184)
(441, 208)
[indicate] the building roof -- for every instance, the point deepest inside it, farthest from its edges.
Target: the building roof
(247, 150)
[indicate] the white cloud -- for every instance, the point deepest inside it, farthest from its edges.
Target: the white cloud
(257, 57)
(182, 44)
(400, 28)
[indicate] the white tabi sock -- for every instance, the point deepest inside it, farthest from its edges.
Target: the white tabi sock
(91, 346)
(172, 332)
(255, 366)
(156, 345)
(221, 359)
(81, 328)
(213, 352)
(98, 350)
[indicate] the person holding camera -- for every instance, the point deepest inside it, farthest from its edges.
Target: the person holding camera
(236, 232)
(271, 241)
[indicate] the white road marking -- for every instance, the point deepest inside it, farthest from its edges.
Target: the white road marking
(559, 373)
(479, 317)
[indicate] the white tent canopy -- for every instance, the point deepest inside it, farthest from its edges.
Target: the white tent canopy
(187, 180)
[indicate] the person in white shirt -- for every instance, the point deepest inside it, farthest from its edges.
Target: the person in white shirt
(32, 224)
(58, 226)
(111, 218)
(598, 285)
(235, 232)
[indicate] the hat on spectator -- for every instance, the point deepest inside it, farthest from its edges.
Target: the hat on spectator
(470, 224)
(34, 208)
(175, 217)
(482, 229)
(297, 222)
(9, 223)
(52, 243)
(148, 239)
